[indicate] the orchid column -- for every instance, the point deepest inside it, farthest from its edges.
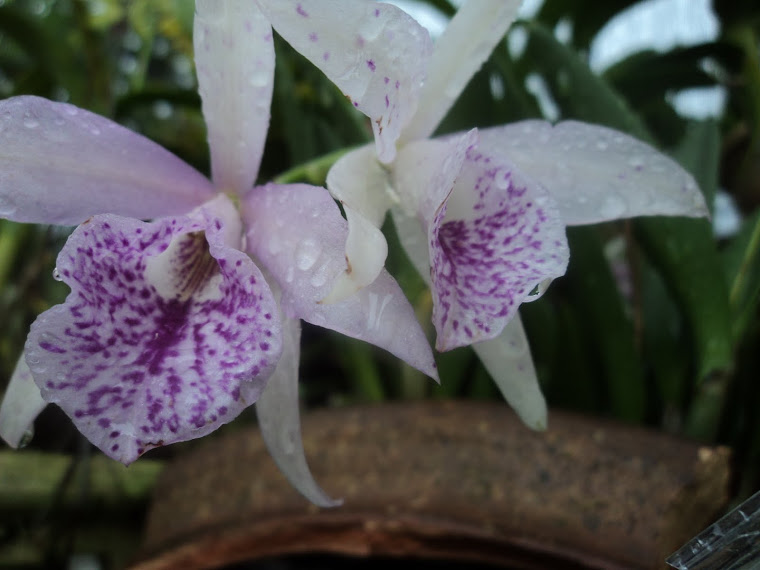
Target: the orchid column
(482, 214)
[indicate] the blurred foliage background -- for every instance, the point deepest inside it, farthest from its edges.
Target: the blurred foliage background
(655, 322)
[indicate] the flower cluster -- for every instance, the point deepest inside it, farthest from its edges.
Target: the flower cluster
(175, 325)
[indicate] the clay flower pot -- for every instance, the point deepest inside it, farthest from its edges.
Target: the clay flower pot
(455, 480)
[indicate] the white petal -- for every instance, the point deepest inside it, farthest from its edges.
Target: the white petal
(360, 183)
(458, 54)
(21, 405)
(280, 423)
(234, 59)
(375, 53)
(596, 174)
(507, 358)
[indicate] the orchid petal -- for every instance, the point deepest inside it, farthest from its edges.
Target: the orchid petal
(234, 59)
(298, 234)
(60, 165)
(168, 331)
(507, 358)
(280, 423)
(458, 54)
(375, 53)
(22, 403)
(494, 235)
(360, 183)
(596, 174)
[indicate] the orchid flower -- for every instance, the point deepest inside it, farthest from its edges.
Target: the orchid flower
(174, 326)
(482, 214)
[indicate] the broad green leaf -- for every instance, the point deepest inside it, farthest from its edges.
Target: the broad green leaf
(596, 298)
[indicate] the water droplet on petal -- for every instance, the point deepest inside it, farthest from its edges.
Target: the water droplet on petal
(26, 439)
(7, 208)
(307, 254)
(613, 207)
(57, 275)
(601, 145)
(636, 162)
(320, 276)
(289, 275)
(31, 123)
(259, 78)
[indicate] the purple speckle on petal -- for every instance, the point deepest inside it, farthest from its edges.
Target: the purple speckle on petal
(326, 56)
(371, 65)
(313, 37)
(301, 11)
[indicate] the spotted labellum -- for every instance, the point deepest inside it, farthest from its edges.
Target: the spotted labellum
(482, 214)
(173, 326)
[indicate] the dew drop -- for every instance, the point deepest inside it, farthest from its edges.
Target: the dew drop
(307, 254)
(57, 275)
(7, 208)
(71, 110)
(31, 123)
(601, 145)
(320, 276)
(636, 162)
(26, 439)
(289, 275)
(612, 208)
(259, 78)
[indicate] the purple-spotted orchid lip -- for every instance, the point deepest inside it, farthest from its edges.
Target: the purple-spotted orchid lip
(168, 331)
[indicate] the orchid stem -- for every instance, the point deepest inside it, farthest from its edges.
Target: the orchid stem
(314, 172)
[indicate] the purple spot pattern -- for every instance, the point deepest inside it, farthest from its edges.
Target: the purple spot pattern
(136, 369)
(483, 265)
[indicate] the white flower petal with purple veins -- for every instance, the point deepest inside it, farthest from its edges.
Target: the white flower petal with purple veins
(596, 174)
(60, 165)
(280, 419)
(458, 54)
(234, 59)
(360, 183)
(297, 233)
(494, 235)
(22, 403)
(168, 331)
(374, 52)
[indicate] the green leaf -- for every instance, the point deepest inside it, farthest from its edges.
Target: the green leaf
(597, 301)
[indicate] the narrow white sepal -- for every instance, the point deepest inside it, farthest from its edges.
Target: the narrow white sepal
(280, 423)
(22, 403)
(507, 358)
(458, 54)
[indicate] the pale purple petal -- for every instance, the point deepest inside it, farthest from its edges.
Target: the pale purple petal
(298, 235)
(360, 183)
(596, 174)
(280, 421)
(22, 403)
(60, 165)
(374, 52)
(464, 46)
(507, 358)
(234, 59)
(494, 235)
(167, 334)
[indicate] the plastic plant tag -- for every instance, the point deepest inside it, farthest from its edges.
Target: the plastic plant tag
(732, 543)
